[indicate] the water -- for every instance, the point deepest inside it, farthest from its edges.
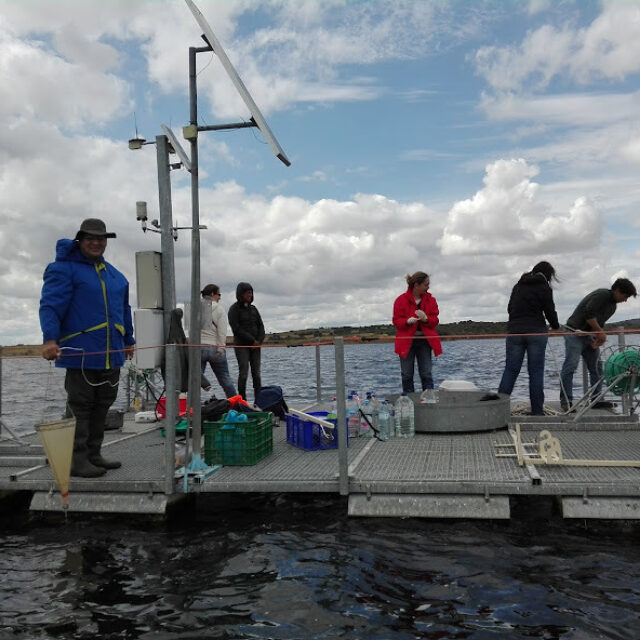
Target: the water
(295, 567)
(33, 390)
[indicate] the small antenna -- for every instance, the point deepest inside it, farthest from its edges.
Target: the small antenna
(137, 141)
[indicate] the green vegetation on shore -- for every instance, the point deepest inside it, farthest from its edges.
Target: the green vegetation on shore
(371, 333)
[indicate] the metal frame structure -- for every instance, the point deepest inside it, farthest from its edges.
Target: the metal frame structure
(191, 134)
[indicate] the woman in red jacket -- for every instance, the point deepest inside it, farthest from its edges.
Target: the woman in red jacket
(415, 316)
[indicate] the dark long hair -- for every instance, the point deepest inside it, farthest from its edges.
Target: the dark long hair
(546, 270)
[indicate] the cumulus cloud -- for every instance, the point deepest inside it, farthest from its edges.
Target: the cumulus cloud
(507, 217)
(323, 260)
(609, 48)
(65, 91)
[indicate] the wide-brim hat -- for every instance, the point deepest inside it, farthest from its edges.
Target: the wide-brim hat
(93, 227)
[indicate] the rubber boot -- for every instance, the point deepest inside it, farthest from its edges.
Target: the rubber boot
(101, 462)
(97, 424)
(84, 469)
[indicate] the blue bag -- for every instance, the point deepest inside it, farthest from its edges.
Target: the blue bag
(272, 399)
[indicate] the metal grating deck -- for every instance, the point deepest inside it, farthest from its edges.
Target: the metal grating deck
(436, 465)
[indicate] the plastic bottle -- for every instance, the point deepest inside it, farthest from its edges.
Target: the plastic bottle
(353, 415)
(385, 421)
(428, 396)
(405, 426)
(366, 417)
(333, 411)
(376, 412)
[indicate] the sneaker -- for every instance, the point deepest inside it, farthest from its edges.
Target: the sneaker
(566, 408)
(603, 404)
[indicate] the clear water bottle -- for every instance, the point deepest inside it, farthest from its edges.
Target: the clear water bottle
(333, 411)
(405, 426)
(385, 421)
(376, 412)
(428, 396)
(353, 415)
(366, 417)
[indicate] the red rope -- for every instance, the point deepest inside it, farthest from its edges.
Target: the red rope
(350, 339)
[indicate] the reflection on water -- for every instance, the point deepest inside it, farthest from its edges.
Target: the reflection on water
(268, 566)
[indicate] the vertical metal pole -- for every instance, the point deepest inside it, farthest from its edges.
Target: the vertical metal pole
(171, 413)
(166, 234)
(343, 452)
(129, 387)
(194, 413)
(627, 397)
(318, 380)
(622, 341)
(1, 387)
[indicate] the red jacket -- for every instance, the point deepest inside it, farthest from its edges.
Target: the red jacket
(404, 308)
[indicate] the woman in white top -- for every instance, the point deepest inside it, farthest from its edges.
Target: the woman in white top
(213, 332)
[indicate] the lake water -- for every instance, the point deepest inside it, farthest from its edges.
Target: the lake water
(295, 567)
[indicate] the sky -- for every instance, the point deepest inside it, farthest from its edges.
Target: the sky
(468, 139)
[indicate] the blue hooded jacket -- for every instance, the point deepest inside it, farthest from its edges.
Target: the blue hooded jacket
(85, 306)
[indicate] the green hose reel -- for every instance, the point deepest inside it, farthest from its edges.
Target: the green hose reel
(619, 363)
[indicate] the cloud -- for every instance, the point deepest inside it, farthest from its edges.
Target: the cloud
(607, 49)
(574, 109)
(68, 92)
(507, 217)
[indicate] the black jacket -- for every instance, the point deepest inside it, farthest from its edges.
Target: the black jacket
(244, 318)
(531, 301)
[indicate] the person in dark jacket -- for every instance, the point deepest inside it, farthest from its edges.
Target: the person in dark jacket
(248, 335)
(87, 328)
(530, 303)
(585, 335)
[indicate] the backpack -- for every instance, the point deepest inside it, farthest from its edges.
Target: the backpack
(214, 409)
(272, 399)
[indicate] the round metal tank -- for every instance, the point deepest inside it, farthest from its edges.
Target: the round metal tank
(461, 411)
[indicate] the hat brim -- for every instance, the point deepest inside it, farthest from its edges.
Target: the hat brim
(81, 234)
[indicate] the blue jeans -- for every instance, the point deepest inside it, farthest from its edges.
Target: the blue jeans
(220, 368)
(575, 347)
(534, 347)
(420, 350)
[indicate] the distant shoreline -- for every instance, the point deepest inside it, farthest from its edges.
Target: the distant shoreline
(371, 333)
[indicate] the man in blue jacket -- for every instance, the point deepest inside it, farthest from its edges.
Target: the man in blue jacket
(87, 328)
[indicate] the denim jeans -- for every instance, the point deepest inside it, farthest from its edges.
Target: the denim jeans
(245, 357)
(219, 367)
(534, 347)
(575, 347)
(420, 350)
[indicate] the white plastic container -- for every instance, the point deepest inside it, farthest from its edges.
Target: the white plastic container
(457, 385)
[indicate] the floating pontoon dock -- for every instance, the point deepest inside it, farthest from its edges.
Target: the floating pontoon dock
(457, 475)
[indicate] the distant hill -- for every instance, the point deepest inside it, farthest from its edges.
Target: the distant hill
(371, 333)
(381, 332)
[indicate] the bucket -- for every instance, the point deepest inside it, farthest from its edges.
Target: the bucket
(161, 409)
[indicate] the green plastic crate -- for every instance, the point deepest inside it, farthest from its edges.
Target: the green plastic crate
(238, 443)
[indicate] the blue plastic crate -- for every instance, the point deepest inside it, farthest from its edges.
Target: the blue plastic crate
(311, 436)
